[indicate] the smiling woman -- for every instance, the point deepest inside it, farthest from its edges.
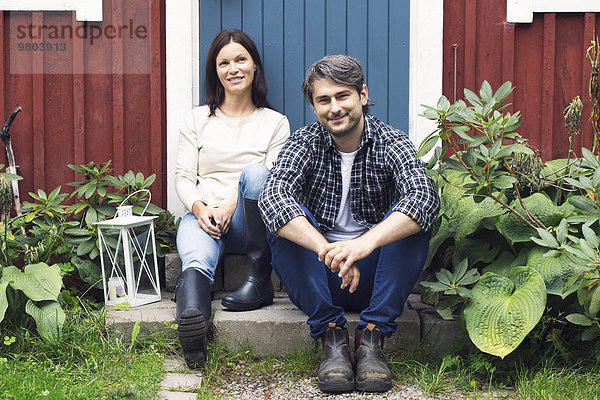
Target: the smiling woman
(233, 55)
(235, 69)
(226, 148)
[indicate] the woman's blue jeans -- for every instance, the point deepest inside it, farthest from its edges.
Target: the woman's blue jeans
(387, 277)
(198, 250)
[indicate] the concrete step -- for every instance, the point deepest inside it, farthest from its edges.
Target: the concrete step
(229, 275)
(281, 328)
(154, 317)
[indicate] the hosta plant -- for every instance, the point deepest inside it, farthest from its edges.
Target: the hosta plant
(496, 195)
(33, 291)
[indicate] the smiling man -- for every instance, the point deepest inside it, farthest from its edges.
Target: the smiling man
(349, 208)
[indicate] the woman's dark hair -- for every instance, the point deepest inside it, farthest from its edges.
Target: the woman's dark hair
(214, 91)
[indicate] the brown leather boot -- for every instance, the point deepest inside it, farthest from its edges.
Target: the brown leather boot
(335, 372)
(372, 371)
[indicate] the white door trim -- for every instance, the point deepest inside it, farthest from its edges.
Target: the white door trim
(85, 10)
(521, 11)
(182, 33)
(426, 64)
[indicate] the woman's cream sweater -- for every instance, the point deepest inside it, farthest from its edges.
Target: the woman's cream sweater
(213, 151)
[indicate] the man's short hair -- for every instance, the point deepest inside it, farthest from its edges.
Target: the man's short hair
(337, 68)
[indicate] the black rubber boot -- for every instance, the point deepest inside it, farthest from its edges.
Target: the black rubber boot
(192, 298)
(372, 371)
(335, 372)
(257, 290)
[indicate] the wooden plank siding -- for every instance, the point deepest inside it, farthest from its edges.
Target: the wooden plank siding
(90, 103)
(545, 60)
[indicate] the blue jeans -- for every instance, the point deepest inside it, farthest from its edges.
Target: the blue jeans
(198, 250)
(387, 277)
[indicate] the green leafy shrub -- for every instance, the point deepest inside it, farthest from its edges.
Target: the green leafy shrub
(65, 237)
(501, 209)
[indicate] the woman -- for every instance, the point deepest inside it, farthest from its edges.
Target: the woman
(226, 148)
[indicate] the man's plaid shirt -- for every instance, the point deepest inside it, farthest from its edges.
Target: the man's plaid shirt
(385, 172)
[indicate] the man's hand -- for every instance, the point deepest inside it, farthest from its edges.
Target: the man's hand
(341, 257)
(352, 277)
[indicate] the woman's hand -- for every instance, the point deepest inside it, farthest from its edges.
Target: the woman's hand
(225, 214)
(214, 221)
(206, 219)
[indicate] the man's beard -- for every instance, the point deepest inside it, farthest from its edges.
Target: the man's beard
(348, 130)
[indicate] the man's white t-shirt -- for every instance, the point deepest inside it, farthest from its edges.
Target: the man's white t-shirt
(345, 227)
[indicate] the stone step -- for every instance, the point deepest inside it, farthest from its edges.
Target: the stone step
(230, 274)
(281, 328)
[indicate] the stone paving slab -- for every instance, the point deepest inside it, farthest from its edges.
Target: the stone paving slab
(174, 364)
(181, 381)
(166, 395)
(442, 335)
(178, 379)
(414, 303)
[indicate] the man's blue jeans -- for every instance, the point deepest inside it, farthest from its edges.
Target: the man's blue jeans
(387, 277)
(197, 249)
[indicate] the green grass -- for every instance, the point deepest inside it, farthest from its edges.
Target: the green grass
(86, 363)
(107, 376)
(90, 362)
(449, 375)
(480, 376)
(558, 383)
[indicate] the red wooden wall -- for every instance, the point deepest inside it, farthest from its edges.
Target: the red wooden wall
(86, 104)
(545, 61)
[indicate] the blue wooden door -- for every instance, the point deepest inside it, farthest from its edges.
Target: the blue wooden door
(293, 34)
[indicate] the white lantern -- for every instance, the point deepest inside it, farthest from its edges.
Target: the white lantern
(128, 258)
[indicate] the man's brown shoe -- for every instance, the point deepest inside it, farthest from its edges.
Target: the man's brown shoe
(372, 371)
(335, 372)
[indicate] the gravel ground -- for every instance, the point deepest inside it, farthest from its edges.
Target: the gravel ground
(307, 389)
(278, 386)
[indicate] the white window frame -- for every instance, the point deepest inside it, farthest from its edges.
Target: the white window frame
(85, 10)
(521, 11)
(183, 73)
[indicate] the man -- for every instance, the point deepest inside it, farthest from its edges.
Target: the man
(349, 207)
